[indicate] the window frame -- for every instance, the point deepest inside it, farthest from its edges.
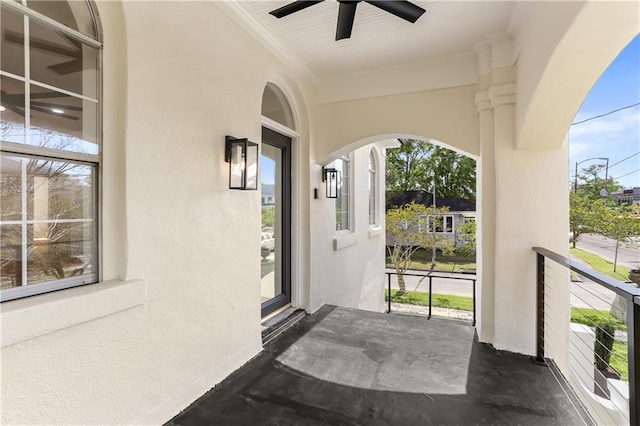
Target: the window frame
(373, 188)
(346, 165)
(33, 152)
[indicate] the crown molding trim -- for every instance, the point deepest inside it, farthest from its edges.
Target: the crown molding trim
(240, 15)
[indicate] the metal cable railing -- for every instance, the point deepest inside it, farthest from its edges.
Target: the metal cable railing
(599, 349)
(431, 276)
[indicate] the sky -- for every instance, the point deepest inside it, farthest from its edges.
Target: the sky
(615, 136)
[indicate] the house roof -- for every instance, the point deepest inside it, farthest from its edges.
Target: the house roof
(423, 197)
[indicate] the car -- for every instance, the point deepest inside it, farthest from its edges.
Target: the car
(267, 241)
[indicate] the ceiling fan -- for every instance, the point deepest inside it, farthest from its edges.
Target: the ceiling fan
(347, 12)
(15, 103)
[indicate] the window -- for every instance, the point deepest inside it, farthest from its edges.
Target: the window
(442, 224)
(342, 202)
(372, 188)
(50, 153)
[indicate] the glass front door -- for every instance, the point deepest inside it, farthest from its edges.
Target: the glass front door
(275, 174)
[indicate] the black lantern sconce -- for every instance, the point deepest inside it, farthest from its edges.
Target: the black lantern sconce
(242, 156)
(330, 177)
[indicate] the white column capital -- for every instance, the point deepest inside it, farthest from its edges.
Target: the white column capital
(503, 94)
(483, 102)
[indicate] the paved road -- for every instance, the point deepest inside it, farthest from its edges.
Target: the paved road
(605, 247)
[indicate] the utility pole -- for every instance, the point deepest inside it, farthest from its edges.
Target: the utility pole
(433, 203)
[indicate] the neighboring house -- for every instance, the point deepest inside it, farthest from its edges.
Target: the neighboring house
(114, 119)
(627, 196)
(460, 210)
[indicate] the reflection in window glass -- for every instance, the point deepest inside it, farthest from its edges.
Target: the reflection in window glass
(61, 61)
(58, 250)
(59, 190)
(59, 222)
(74, 14)
(48, 199)
(342, 202)
(12, 42)
(12, 112)
(63, 122)
(10, 189)
(10, 256)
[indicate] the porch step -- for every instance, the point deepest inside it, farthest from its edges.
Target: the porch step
(276, 325)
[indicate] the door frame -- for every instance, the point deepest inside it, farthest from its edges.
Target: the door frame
(285, 143)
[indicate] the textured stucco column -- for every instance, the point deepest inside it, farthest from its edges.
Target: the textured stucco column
(486, 212)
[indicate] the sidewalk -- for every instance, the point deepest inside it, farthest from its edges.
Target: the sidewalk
(435, 312)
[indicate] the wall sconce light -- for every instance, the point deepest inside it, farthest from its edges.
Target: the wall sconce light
(330, 177)
(242, 156)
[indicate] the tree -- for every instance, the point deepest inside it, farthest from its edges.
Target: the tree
(586, 215)
(407, 166)
(410, 228)
(621, 224)
(591, 181)
(412, 165)
(467, 233)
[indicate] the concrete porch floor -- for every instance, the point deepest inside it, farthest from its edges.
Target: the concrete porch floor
(348, 367)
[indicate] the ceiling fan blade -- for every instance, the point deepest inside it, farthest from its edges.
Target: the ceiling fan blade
(401, 8)
(68, 67)
(47, 95)
(293, 7)
(44, 45)
(346, 16)
(48, 111)
(16, 110)
(60, 106)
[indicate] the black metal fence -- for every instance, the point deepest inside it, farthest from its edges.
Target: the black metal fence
(605, 316)
(431, 276)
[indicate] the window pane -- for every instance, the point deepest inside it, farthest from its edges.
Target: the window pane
(342, 202)
(63, 122)
(10, 188)
(276, 107)
(12, 44)
(61, 61)
(12, 110)
(10, 256)
(73, 14)
(60, 250)
(58, 190)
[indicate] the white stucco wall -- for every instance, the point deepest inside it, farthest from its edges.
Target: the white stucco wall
(348, 266)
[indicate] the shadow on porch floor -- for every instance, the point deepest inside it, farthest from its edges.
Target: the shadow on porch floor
(348, 367)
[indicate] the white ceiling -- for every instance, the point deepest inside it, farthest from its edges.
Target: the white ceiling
(379, 39)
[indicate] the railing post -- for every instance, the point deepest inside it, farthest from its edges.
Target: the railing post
(474, 303)
(633, 337)
(389, 295)
(430, 293)
(540, 310)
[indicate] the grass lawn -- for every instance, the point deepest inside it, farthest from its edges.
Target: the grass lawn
(619, 358)
(591, 317)
(602, 265)
(460, 303)
(446, 266)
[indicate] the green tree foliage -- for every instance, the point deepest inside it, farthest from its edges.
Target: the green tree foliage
(409, 228)
(621, 224)
(467, 233)
(586, 215)
(591, 180)
(268, 216)
(411, 166)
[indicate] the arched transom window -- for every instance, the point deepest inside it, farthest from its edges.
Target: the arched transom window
(276, 107)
